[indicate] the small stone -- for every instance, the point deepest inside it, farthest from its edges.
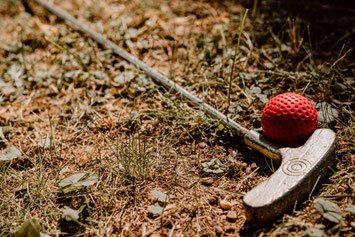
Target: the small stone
(253, 165)
(232, 216)
(208, 181)
(248, 170)
(219, 230)
(224, 204)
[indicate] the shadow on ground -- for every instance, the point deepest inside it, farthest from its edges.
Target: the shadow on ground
(331, 23)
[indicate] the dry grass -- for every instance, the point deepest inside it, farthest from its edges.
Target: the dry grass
(69, 111)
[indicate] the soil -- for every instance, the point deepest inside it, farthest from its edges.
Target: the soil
(70, 106)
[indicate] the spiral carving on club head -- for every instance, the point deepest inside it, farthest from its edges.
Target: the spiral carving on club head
(295, 167)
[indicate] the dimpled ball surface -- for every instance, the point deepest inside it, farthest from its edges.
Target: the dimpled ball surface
(289, 119)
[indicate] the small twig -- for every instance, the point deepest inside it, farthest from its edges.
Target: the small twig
(172, 231)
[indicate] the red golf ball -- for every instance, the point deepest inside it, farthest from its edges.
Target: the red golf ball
(289, 119)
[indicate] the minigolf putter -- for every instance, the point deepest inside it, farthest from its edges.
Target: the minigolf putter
(300, 169)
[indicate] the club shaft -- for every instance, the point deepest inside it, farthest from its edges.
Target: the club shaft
(251, 138)
(158, 77)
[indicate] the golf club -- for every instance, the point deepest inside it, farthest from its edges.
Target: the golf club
(300, 168)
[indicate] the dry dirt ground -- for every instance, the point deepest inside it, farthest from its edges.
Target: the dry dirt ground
(71, 107)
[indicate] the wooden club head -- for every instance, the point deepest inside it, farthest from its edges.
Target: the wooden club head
(300, 170)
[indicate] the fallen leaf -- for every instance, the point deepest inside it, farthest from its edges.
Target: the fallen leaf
(350, 208)
(155, 210)
(214, 166)
(31, 228)
(258, 93)
(72, 188)
(89, 181)
(70, 214)
(11, 153)
(124, 77)
(253, 90)
(143, 82)
(72, 179)
(326, 113)
(329, 210)
(248, 76)
(161, 197)
(74, 182)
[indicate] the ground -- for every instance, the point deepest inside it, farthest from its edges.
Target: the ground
(69, 106)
